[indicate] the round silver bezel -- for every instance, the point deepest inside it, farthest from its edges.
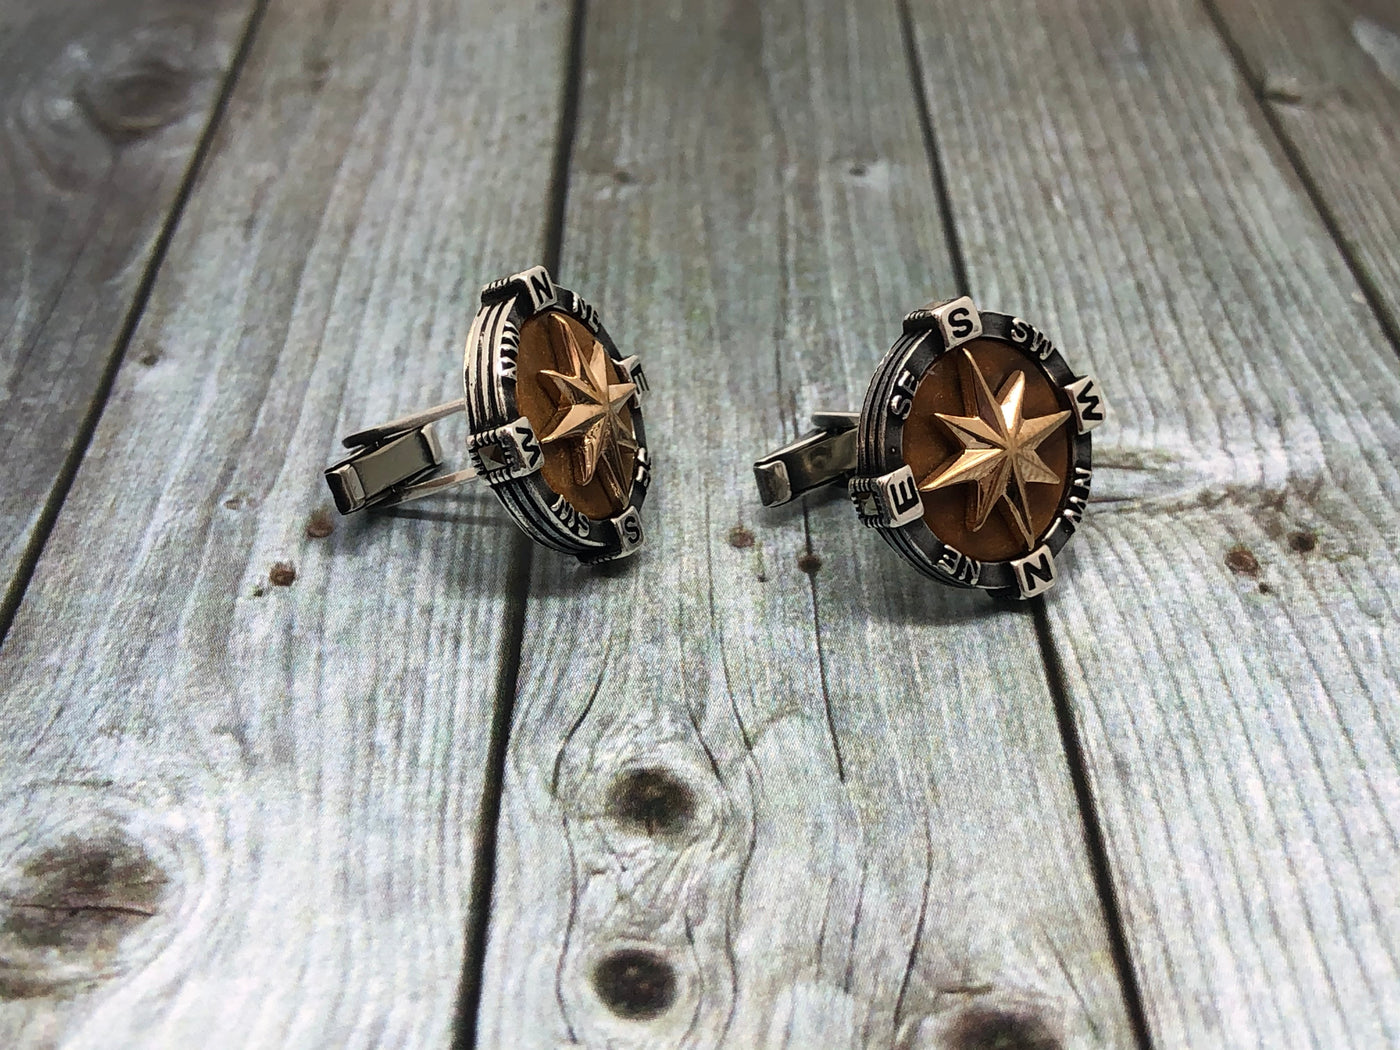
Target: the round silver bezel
(503, 445)
(884, 489)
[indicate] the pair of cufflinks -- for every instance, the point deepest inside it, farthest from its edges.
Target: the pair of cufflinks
(971, 455)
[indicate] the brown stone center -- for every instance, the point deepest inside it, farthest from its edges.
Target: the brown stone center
(539, 399)
(929, 445)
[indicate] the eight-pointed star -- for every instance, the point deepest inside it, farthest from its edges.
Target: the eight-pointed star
(998, 451)
(591, 411)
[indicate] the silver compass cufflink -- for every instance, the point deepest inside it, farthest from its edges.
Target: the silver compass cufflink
(555, 426)
(971, 455)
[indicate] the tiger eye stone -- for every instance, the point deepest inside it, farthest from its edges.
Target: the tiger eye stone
(539, 400)
(928, 445)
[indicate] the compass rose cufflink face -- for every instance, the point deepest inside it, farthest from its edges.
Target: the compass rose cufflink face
(972, 453)
(555, 420)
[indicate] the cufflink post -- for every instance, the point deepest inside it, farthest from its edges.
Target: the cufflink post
(394, 462)
(819, 457)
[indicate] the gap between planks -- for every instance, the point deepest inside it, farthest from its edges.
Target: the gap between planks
(1375, 301)
(522, 559)
(87, 426)
(1094, 845)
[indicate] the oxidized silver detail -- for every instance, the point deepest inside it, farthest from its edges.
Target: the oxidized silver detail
(400, 460)
(1035, 573)
(890, 501)
(511, 451)
(1088, 404)
(884, 488)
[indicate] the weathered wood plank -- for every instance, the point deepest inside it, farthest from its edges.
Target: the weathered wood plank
(723, 825)
(1229, 630)
(1329, 72)
(103, 106)
(234, 813)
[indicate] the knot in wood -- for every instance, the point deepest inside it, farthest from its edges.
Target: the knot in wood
(988, 1028)
(652, 800)
(136, 94)
(635, 984)
(69, 907)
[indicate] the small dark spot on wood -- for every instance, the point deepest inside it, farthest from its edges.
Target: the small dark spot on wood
(282, 574)
(239, 501)
(624, 178)
(150, 358)
(652, 800)
(73, 904)
(809, 563)
(982, 1028)
(762, 577)
(319, 525)
(858, 170)
(257, 591)
(1303, 541)
(1264, 588)
(740, 538)
(635, 984)
(1240, 559)
(318, 69)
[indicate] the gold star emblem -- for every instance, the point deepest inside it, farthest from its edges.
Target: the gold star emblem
(591, 411)
(998, 452)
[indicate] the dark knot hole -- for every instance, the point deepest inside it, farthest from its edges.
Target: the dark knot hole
(991, 1029)
(653, 801)
(635, 984)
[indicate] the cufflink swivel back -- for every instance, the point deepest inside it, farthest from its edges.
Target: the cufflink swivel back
(971, 455)
(555, 422)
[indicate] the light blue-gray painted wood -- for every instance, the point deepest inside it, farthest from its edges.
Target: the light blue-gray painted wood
(236, 814)
(1329, 71)
(828, 801)
(1228, 629)
(102, 106)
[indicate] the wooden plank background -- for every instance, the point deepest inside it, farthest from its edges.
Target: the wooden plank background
(758, 786)
(813, 726)
(1329, 77)
(263, 800)
(1227, 635)
(104, 108)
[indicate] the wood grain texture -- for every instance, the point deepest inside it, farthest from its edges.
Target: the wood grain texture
(102, 106)
(1229, 629)
(1329, 71)
(764, 787)
(233, 812)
